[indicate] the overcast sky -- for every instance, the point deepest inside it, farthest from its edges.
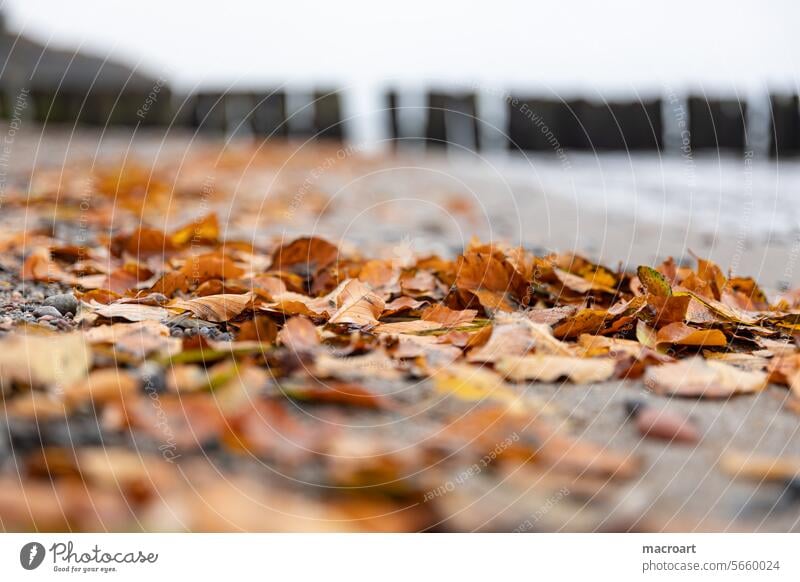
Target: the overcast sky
(609, 46)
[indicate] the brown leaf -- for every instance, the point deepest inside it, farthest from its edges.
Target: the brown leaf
(666, 425)
(261, 329)
(407, 327)
(138, 339)
(516, 337)
(551, 368)
(703, 378)
(41, 361)
(305, 256)
(202, 230)
(760, 467)
(585, 321)
(201, 268)
(583, 285)
(130, 311)
(402, 304)
(785, 369)
(374, 364)
(101, 387)
(145, 242)
(448, 317)
(170, 283)
(216, 308)
(357, 305)
(683, 335)
(40, 267)
(299, 335)
(552, 315)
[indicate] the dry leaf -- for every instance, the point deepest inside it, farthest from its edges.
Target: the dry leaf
(759, 467)
(43, 361)
(299, 335)
(357, 305)
(706, 378)
(216, 308)
(551, 368)
(448, 317)
(683, 335)
(130, 311)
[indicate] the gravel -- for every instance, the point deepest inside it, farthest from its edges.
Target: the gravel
(64, 302)
(46, 310)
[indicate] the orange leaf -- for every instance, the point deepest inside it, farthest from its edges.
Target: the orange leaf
(202, 230)
(358, 305)
(448, 317)
(681, 334)
(216, 308)
(299, 335)
(305, 256)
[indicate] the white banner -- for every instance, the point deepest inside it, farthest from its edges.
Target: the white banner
(400, 557)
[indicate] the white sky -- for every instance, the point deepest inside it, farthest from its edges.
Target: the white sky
(608, 46)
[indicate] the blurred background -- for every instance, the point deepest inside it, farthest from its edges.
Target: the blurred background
(603, 75)
(683, 119)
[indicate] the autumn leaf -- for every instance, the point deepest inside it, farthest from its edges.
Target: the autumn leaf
(703, 378)
(101, 387)
(43, 360)
(474, 384)
(357, 305)
(448, 317)
(130, 311)
(217, 308)
(305, 256)
(683, 335)
(210, 266)
(654, 282)
(299, 335)
(544, 368)
(202, 230)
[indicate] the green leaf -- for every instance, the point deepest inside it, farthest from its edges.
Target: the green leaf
(654, 282)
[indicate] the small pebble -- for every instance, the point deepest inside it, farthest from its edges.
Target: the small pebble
(634, 406)
(46, 310)
(792, 491)
(63, 302)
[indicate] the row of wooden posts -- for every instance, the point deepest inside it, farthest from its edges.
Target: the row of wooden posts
(439, 118)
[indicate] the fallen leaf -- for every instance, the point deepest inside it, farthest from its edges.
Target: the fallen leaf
(543, 368)
(666, 425)
(216, 308)
(703, 378)
(357, 305)
(654, 282)
(375, 364)
(42, 361)
(202, 230)
(101, 387)
(759, 467)
(683, 335)
(299, 335)
(407, 327)
(448, 317)
(305, 256)
(475, 384)
(130, 311)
